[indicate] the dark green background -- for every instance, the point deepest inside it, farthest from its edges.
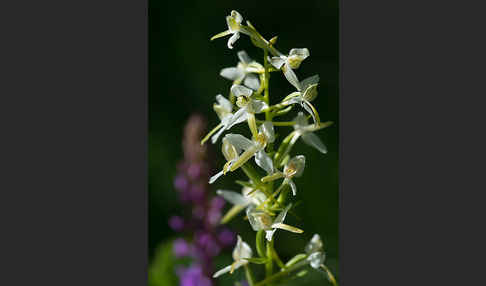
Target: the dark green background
(184, 78)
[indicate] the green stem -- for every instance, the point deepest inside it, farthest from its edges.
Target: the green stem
(249, 275)
(279, 123)
(276, 257)
(260, 246)
(269, 264)
(280, 274)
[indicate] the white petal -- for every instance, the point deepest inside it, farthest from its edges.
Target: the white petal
(233, 39)
(297, 164)
(267, 129)
(314, 245)
(301, 53)
(291, 77)
(257, 106)
(237, 16)
(281, 216)
(301, 120)
(277, 62)
(292, 186)
(225, 103)
(215, 177)
(309, 81)
(251, 81)
(233, 197)
(239, 141)
(231, 73)
(238, 117)
(258, 219)
(269, 234)
(264, 161)
(243, 57)
(316, 259)
(215, 137)
(314, 141)
(222, 271)
(241, 250)
(239, 90)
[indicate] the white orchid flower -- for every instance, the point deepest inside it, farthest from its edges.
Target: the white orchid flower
(304, 130)
(234, 28)
(260, 220)
(248, 196)
(230, 152)
(289, 63)
(304, 96)
(244, 72)
(248, 106)
(254, 148)
(317, 256)
(241, 251)
(223, 109)
(241, 201)
(293, 168)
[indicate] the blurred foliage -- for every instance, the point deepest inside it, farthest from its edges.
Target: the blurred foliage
(184, 78)
(161, 271)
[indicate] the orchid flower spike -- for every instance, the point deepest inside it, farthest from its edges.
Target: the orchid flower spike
(304, 96)
(289, 63)
(234, 28)
(254, 148)
(241, 251)
(293, 168)
(317, 256)
(230, 152)
(261, 220)
(244, 72)
(304, 130)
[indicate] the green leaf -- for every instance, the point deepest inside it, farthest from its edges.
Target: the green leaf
(161, 270)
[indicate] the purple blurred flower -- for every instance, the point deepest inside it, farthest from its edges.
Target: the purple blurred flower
(194, 171)
(198, 193)
(207, 237)
(176, 223)
(181, 183)
(193, 276)
(226, 237)
(181, 248)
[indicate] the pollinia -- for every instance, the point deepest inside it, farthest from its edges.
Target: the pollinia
(266, 200)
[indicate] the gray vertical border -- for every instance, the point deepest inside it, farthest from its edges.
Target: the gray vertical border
(74, 142)
(412, 125)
